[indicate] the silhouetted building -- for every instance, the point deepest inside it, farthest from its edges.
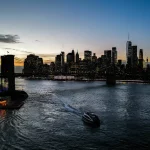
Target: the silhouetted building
(87, 55)
(107, 53)
(77, 57)
(62, 58)
(33, 64)
(141, 58)
(141, 54)
(73, 56)
(114, 55)
(119, 62)
(58, 63)
(69, 58)
(45, 69)
(58, 59)
(129, 52)
(134, 58)
(62, 62)
(52, 68)
(39, 65)
(103, 61)
(94, 58)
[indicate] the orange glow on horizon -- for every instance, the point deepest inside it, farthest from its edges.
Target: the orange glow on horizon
(19, 64)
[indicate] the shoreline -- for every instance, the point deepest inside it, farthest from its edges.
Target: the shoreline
(88, 80)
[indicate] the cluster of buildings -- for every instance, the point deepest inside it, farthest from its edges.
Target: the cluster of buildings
(90, 66)
(33, 65)
(131, 56)
(71, 65)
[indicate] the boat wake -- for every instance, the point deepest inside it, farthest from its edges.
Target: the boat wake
(71, 109)
(68, 107)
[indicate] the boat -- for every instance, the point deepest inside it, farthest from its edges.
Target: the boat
(91, 119)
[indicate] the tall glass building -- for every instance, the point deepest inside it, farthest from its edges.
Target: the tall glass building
(128, 52)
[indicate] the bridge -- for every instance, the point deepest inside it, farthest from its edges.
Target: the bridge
(16, 75)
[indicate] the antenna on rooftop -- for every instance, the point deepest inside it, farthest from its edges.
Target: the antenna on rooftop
(128, 36)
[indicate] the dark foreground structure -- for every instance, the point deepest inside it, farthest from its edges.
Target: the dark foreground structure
(10, 98)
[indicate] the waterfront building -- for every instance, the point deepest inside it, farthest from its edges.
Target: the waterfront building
(77, 57)
(71, 57)
(62, 58)
(32, 64)
(128, 52)
(141, 58)
(114, 55)
(52, 68)
(87, 55)
(62, 61)
(107, 54)
(134, 58)
(94, 58)
(119, 62)
(45, 69)
(39, 65)
(141, 54)
(58, 64)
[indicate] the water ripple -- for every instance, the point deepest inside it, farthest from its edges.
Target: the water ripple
(51, 117)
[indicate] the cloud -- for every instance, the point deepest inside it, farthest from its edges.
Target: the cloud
(23, 51)
(47, 55)
(37, 41)
(9, 38)
(19, 61)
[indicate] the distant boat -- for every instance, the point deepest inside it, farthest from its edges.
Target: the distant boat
(91, 119)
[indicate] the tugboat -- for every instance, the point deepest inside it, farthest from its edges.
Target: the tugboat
(91, 119)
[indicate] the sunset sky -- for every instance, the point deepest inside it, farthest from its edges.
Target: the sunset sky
(47, 27)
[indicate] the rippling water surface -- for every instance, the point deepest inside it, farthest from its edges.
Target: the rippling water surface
(51, 117)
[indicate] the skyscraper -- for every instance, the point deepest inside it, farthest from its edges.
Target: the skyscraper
(73, 56)
(58, 63)
(87, 55)
(128, 52)
(62, 58)
(94, 57)
(141, 54)
(141, 58)
(62, 54)
(134, 58)
(33, 64)
(114, 55)
(119, 62)
(77, 57)
(69, 58)
(107, 53)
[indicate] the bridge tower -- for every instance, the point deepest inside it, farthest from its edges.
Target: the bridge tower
(7, 71)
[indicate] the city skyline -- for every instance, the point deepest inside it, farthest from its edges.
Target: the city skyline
(49, 27)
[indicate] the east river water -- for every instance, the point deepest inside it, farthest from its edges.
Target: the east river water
(50, 119)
